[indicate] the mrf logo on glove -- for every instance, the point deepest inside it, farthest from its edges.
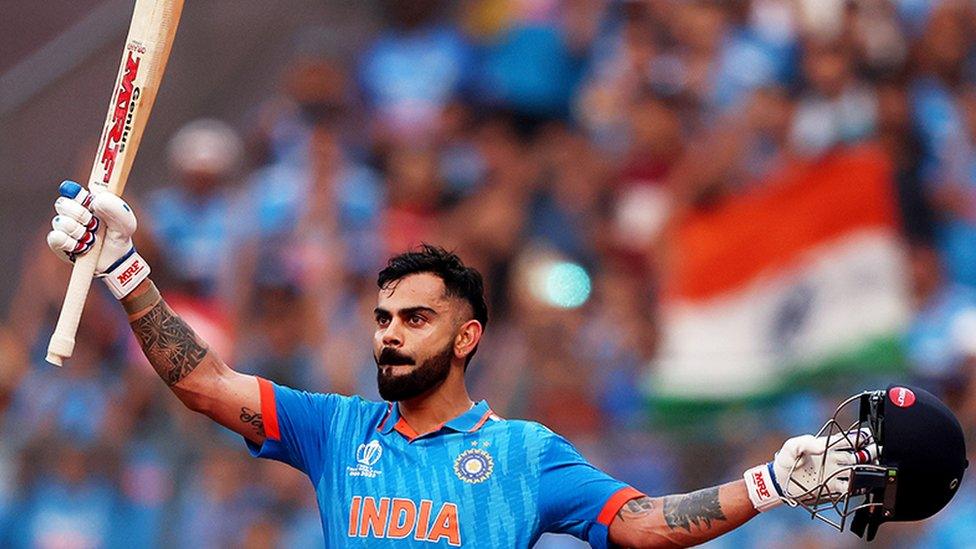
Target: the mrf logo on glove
(127, 275)
(761, 489)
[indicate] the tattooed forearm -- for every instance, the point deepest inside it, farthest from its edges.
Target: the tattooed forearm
(697, 508)
(254, 418)
(169, 344)
(636, 508)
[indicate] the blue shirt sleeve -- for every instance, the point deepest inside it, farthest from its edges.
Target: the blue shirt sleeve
(575, 497)
(296, 425)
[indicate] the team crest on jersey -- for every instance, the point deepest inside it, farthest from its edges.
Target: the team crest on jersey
(474, 465)
(366, 457)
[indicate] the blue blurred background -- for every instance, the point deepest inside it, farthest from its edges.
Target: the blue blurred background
(702, 225)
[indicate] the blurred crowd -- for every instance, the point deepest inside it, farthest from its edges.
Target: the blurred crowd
(513, 131)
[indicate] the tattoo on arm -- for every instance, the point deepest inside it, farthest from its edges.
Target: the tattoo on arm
(170, 345)
(636, 508)
(254, 418)
(697, 508)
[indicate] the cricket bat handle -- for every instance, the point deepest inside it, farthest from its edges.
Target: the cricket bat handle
(62, 343)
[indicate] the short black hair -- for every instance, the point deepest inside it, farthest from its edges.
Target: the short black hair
(459, 280)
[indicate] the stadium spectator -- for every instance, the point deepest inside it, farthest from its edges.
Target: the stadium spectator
(204, 155)
(413, 70)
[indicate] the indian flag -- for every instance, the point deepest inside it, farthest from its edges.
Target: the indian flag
(805, 272)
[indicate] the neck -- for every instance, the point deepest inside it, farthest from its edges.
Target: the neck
(432, 409)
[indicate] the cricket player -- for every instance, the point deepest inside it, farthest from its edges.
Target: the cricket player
(430, 466)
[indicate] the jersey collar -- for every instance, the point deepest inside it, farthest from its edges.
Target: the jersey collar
(472, 420)
(468, 422)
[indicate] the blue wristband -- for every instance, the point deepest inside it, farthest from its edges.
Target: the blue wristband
(121, 260)
(772, 475)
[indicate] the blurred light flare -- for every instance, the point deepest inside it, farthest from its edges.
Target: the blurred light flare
(561, 284)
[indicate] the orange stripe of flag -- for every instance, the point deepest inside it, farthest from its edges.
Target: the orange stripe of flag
(807, 205)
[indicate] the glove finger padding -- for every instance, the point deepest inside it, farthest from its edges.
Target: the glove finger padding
(69, 227)
(62, 245)
(854, 439)
(867, 454)
(72, 209)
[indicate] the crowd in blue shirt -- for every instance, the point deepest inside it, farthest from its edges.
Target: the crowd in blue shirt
(516, 132)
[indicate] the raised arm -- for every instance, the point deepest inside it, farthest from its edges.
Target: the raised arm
(194, 373)
(191, 370)
(682, 520)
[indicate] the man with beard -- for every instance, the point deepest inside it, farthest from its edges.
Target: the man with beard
(430, 465)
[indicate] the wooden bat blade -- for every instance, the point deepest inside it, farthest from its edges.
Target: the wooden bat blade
(140, 73)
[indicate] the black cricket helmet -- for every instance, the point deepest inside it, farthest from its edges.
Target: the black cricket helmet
(921, 456)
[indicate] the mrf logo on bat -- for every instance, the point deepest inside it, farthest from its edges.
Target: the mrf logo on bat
(117, 131)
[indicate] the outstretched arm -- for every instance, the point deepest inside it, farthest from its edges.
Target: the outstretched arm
(682, 520)
(690, 519)
(194, 373)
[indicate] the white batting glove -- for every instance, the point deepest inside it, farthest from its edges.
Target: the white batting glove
(799, 468)
(79, 216)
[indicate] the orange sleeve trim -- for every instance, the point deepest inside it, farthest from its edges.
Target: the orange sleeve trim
(269, 412)
(616, 501)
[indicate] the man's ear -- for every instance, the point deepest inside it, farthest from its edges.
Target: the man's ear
(467, 338)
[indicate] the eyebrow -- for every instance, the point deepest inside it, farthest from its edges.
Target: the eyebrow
(406, 311)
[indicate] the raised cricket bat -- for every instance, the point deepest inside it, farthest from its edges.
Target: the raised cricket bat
(144, 58)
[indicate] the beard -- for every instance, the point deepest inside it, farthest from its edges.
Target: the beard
(425, 377)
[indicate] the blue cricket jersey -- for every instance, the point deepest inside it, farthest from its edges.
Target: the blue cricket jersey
(478, 481)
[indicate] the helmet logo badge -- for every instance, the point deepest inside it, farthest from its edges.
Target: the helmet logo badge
(901, 396)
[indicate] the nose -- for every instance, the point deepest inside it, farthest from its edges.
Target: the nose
(392, 335)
